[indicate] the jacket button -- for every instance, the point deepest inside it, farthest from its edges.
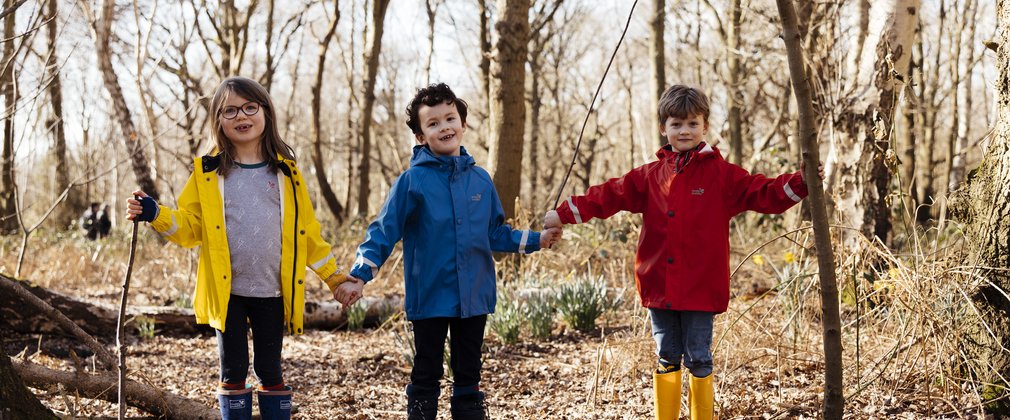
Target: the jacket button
(208, 178)
(299, 281)
(299, 330)
(670, 213)
(298, 183)
(218, 226)
(670, 260)
(302, 231)
(668, 306)
(226, 277)
(459, 221)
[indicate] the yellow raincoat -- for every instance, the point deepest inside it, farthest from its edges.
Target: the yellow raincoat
(199, 221)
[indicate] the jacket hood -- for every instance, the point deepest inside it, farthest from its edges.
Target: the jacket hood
(423, 156)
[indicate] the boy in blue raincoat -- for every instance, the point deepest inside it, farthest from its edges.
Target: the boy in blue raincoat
(447, 212)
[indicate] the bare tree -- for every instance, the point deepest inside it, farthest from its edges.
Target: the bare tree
(8, 81)
(325, 189)
(508, 108)
(74, 203)
(657, 54)
(543, 16)
(102, 31)
(962, 94)
(371, 60)
(834, 402)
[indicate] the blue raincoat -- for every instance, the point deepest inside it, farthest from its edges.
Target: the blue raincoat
(449, 216)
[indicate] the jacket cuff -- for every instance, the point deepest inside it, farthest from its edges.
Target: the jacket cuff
(335, 280)
(568, 213)
(532, 243)
(362, 271)
(163, 221)
(797, 187)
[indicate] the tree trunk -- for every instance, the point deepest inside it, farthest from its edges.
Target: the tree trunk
(74, 204)
(153, 400)
(508, 106)
(103, 33)
(834, 401)
(984, 206)
(962, 95)
(368, 92)
(735, 117)
(657, 53)
(866, 125)
(485, 68)
(329, 196)
(8, 207)
(16, 401)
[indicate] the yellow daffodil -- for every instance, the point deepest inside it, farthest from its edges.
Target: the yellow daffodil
(759, 260)
(789, 257)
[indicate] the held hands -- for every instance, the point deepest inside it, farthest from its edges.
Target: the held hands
(552, 220)
(349, 291)
(549, 237)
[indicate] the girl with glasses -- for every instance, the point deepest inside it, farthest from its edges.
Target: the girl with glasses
(248, 209)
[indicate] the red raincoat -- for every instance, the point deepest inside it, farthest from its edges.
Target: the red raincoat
(683, 249)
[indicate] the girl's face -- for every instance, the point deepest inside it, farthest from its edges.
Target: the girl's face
(242, 121)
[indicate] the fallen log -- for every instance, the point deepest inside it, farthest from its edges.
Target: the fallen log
(103, 386)
(99, 319)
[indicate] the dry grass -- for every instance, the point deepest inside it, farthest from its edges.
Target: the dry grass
(905, 322)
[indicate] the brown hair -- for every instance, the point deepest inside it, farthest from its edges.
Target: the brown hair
(271, 143)
(681, 101)
(434, 94)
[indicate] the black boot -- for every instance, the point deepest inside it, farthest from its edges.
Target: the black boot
(469, 407)
(422, 404)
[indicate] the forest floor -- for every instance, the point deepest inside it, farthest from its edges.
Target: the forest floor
(768, 355)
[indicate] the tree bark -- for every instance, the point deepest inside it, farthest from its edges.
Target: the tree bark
(657, 53)
(74, 204)
(8, 207)
(962, 95)
(329, 196)
(508, 106)
(102, 27)
(984, 206)
(736, 100)
(866, 125)
(153, 400)
(834, 401)
(16, 400)
(368, 92)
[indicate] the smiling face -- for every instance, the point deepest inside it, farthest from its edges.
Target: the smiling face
(244, 130)
(684, 133)
(441, 128)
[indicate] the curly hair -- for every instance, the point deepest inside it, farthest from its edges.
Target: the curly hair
(432, 95)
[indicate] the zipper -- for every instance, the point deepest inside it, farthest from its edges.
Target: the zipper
(294, 254)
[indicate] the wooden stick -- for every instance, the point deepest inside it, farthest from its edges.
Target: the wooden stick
(120, 345)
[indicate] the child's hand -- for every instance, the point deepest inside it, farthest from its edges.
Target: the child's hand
(549, 237)
(349, 291)
(135, 209)
(820, 169)
(552, 220)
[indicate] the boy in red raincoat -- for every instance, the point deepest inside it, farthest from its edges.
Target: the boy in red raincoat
(686, 199)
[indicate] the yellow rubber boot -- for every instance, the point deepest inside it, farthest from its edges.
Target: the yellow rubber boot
(702, 398)
(666, 394)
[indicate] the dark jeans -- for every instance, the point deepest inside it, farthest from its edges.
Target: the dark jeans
(686, 334)
(466, 335)
(266, 317)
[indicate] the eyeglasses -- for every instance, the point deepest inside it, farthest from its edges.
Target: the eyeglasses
(248, 108)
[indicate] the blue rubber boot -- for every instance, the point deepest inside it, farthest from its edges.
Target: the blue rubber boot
(235, 404)
(275, 405)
